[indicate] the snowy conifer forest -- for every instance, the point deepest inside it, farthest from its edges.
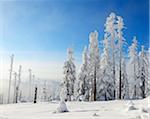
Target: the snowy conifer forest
(111, 75)
(112, 81)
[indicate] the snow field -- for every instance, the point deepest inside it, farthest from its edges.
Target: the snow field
(77, 110)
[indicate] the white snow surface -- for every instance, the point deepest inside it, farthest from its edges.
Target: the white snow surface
(77, 110)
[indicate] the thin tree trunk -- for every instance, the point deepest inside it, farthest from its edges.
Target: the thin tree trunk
(143, 84)
(134, 95)
(120, 82)
(10, 76)
(15, 78)
(35, 95)
(143, 90)
(18, 86)
(16, 99)
(143, 81)
(88, 92)
(94, 90)
(120, 78)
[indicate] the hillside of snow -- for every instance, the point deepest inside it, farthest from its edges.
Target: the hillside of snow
(138, 109)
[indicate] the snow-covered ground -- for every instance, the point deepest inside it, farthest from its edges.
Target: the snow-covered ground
(78, 110)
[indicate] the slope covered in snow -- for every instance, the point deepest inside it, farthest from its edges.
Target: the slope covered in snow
(78, 110)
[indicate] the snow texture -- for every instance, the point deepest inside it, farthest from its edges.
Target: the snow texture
(77, 110)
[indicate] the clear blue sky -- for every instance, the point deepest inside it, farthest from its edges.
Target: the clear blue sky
(53, 25)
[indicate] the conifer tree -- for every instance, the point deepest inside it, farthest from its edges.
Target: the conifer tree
(83, 78)
(94, 63)
(69, 75)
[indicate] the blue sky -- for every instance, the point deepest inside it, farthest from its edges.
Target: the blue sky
(44, 29)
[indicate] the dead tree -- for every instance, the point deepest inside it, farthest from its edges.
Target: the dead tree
(15, 80)
(10, 77)
(35, 95)
(19, 81)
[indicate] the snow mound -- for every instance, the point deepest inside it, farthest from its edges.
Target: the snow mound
(131, 106)
(95, 115)
(146, 110)
(62, 107)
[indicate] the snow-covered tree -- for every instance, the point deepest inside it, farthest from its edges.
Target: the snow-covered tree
(106, 85)
(143, 72)
(121, 43)
(110, 30)
(63, 92)
(148, 80)
(124, 81)
(94, 64)
(82, 85)
(133, 67)
(69, 75)
(44, 91)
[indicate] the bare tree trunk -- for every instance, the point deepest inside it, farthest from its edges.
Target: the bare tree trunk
(15, 78)
(10, 76)
(35, 95)
(120, 78)
(18, 86)
(143, 83)
(94, 90)
(134, 95)
(143, 89)
(120, 82)
(114, 84)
